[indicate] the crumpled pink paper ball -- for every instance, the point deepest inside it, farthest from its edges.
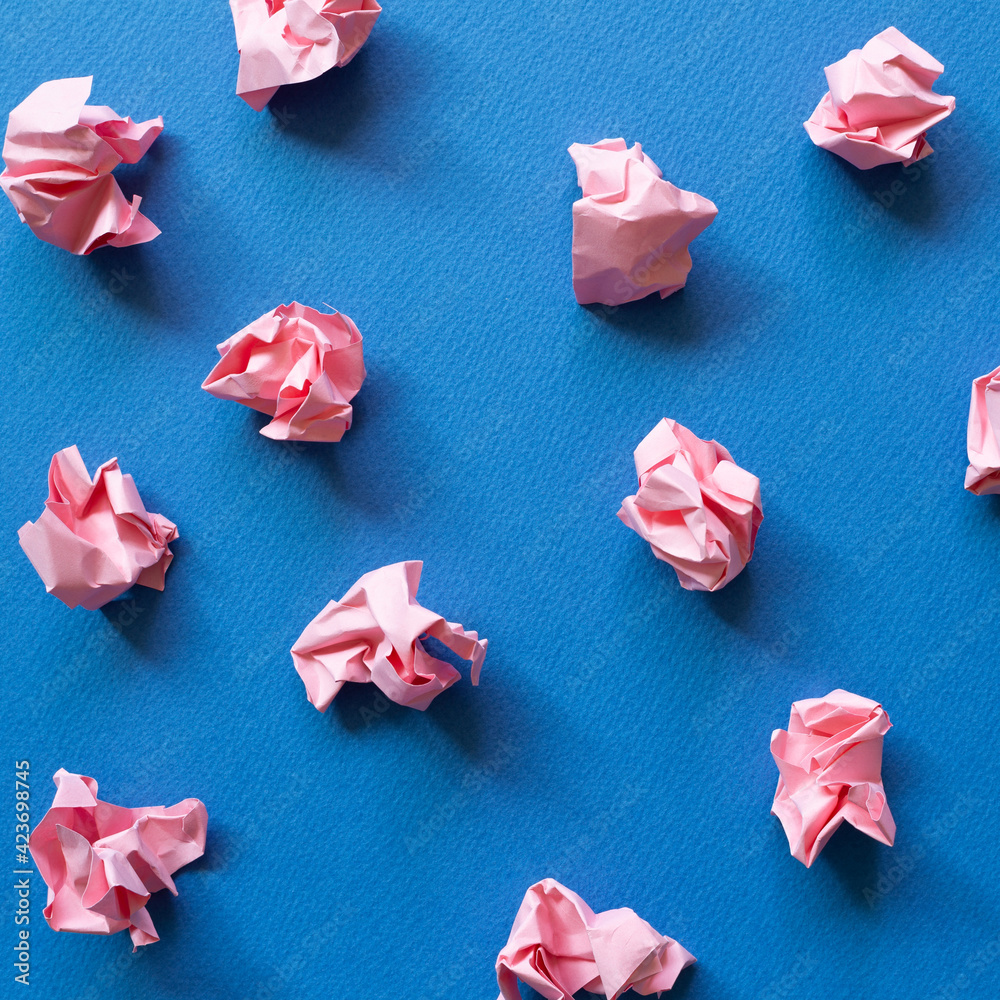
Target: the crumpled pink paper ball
(631, 228)
(695, 506)
(880, 103)
(291, 41)
(373, 634)
(298, 365)
(558, 946)
(59, 153)
(95, 539)
(102, 862)
(830, 761)
(983, 474)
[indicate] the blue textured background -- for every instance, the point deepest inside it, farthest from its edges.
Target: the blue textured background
(619, 740)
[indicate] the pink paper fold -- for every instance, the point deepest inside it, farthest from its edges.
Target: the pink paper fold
(558, 946)
(300, 366)
(880, 103)
(373, 634)
(102, 862)
(95, 539)
(695, 506)
(291, 41)
(830, 762)
(983, 475)
(631, 228)
(59, 154)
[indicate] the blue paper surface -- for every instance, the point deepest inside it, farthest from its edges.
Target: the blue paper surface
(827, 337)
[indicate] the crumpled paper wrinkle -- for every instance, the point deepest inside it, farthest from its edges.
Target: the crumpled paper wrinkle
(696, 507)
(880, 103)
(559, 946)
(291, 41)
(983, 475)
(300, 366)
(830, 765)
(102, 862)
(372, 634)
(59, 153)
(631, 228)
(95, 539)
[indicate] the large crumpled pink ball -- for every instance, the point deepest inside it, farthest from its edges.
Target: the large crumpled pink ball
(559, 946)
(291, 41)
(300, 366)
(631, 228)
(372, 634)
(983, 475)
(59, 153)
(101, 862)
(695, 506)
(880, 103)
(95, 539)
(830, 761)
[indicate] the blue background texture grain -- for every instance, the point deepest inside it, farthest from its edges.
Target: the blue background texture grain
(828, 336)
